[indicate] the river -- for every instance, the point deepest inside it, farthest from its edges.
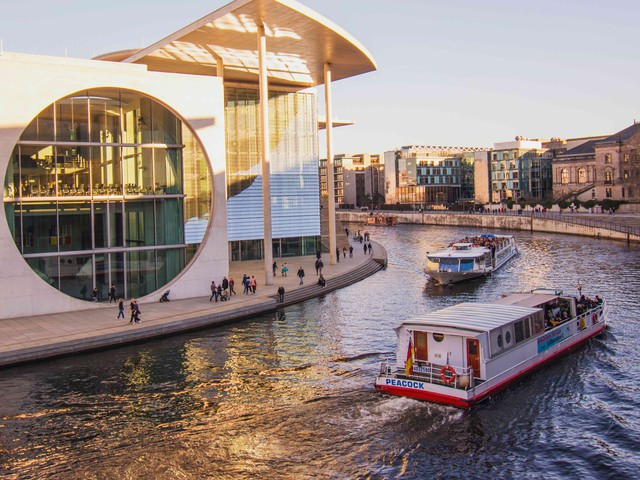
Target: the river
(290, 395)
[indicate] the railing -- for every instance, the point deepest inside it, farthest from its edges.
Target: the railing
(448, 375)
(576, 219)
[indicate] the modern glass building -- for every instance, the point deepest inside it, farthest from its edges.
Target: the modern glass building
(150, 169)
(99, 191)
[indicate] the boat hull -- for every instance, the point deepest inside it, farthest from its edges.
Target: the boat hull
(442, 394)
(449, 278)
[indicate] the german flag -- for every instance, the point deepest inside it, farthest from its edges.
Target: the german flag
(408, 369)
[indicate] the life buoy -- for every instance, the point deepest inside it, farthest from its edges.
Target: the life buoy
(448, 374)
(594, 318)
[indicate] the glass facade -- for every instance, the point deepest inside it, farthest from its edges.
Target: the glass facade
(295, 197)
(101, 189)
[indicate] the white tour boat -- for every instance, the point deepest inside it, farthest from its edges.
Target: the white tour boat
(472, 257)
(466, 353)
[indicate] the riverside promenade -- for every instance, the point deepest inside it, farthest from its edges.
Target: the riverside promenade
(34, 338)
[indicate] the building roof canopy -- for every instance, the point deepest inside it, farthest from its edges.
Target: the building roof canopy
(299, 43)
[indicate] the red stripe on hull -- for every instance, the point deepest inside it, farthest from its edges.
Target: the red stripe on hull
(462, 403)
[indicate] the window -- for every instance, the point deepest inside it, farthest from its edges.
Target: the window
(607, 192)
(564, 176)
(518, 329)
(607, 158)
(608, 176)
(625, 175)
(582, 175)
(625, 158)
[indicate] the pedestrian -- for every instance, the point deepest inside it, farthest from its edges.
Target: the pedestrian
(94, 294)
(318, 255)
(366, 248)
(225, 284)
(120, 309)
(253, 283)
(350, 251)
(320, 266)
(133, 307)
(112, 293)
(317, 267)
(300, 274)
(232, 284)
(214, 289)
(275, 268)
(370, 249)
(281, 294)
(136, 314)
(245, 284)
(219, 293)
(285, 269)
(344, 252)
(338, 254)
(322, 282)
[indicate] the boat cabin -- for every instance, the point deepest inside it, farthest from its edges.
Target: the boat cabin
(478, 340)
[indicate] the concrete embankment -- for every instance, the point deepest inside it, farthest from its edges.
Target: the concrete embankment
(500, 222)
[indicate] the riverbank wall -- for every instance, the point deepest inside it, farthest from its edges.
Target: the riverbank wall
(525, 222)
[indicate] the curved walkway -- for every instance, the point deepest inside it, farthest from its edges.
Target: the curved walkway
(27, 339)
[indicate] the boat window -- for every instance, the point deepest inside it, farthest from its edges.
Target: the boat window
(538, 322)
(438, 337)
(527, 327)
(421, 352)
(500, 340)
(518, 329)
(507, 337)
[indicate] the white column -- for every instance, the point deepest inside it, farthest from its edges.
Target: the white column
(266, 153)
(331, 191)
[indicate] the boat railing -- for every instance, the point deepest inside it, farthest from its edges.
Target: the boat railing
(448, 375)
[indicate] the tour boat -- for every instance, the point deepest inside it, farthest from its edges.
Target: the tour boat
(382, 220)
(470, 258)
(463, 354)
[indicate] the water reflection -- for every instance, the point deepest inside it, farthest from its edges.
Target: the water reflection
(290, 395)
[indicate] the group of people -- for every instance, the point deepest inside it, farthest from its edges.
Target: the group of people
(134, 309)
(223, 290)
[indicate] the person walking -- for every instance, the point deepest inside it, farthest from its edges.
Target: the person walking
(94, 294)
(344, 252)
(133, 307)
(275, 268)
(120, 309)
(300, 274)
(253, 283)
(366, 248)
(232, 284)
(338, 254)
(214, 289)
(245, 284)
(281, 294)
(285, 269)
(317, 267)
(112, 293)
(370, 249)
(350, 251)
(225, 285)
(320, 266)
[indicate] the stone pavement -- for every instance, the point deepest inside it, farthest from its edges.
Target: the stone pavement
(34, 338)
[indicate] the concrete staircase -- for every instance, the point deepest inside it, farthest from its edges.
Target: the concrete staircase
(313, 290)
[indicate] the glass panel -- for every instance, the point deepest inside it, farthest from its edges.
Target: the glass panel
(12, 214)
(75, 226)
(169, 264)
(72, 166)
(166, 126)
(76, 276)
(167, 171)
(46, 268)
(141, 273)
(139, 224)
(115, 224)
(102, 276)
(72, 119)
(106, 171)
(104, 107)
(138, 170)
(100, 221)
(41, 128)
(12, 178)
(37, 168)
(40, 228)
(169, 218)
(117, 273)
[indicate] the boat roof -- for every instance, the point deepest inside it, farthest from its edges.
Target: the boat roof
(472, 317)
(526, 299)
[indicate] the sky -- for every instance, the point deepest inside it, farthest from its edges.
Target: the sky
(463, 73)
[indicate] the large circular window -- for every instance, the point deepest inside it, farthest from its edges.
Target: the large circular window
(107, 187)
